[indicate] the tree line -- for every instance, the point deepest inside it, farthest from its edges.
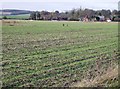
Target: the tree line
(75, 15)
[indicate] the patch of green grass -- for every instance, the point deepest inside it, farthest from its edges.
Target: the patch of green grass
(22, 16)
(46, 53)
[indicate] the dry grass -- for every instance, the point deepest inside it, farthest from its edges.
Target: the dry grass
(104, 73)
(110, 75)
(10, 22)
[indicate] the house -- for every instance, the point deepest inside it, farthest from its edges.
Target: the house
(100, 18)
(116, 18)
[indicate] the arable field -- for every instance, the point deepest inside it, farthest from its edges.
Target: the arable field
(22, 16)
(48, 54)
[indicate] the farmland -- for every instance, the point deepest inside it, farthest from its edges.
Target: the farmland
(48, 54)
(21, 16)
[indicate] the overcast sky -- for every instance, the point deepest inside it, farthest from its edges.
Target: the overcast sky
(61, 5)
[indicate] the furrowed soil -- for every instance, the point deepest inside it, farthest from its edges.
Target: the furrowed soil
(48, 54)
